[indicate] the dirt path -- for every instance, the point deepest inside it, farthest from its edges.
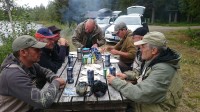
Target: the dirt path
(169, 28)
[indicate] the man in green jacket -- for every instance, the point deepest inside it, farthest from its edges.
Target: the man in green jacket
(88, 34)
(159, 88)
(124, 48)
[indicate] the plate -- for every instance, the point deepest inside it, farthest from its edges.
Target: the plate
(73, 53)
(85, 79)
(92, 66)
(84, 72)
(114, 60)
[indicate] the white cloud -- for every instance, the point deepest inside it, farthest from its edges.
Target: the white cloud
(32, 3)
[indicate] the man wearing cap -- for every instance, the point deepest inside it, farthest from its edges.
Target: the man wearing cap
(57, 44)
(88, 34)
(20, 78)
(138, 63)
(159, 88)
(124, 48)
(49, 57)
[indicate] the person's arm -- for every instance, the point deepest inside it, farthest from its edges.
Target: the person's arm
(62, 49)
(76, 37)
(101, 39)
(151, 90)
(60, 52)
(21, 87)
(47, 73)
(52, 64)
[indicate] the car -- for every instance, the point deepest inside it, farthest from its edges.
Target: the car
(133, 20)
(104, 22)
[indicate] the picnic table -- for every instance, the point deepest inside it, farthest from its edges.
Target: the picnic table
(112, 100)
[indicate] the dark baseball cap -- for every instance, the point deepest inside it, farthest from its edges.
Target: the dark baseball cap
(26, 41)
(141, 31)
(54, 29)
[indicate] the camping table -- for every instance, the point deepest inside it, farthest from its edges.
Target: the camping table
(112, 100)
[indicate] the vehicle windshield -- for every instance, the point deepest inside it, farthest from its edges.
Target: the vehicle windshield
(102, 20)
(129, 20)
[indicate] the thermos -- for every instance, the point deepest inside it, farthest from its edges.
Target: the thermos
(79, 54)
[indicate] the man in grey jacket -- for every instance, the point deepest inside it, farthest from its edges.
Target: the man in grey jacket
(21, 78)
(88, 34)
(159, 87)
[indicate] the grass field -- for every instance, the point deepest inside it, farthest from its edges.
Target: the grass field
(190, 72)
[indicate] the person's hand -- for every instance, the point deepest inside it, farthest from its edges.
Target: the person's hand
(110, 78)
(66, 42)
(62, 41)
(109, 48)
(61, 81)
(95, 46)
(121, 76)
(114, 52)
(102, 50)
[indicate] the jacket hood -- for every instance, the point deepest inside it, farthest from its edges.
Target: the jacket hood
(10, 59)
(168, 56)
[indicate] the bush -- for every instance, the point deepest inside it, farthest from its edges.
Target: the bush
(195, 38)
(6, 38)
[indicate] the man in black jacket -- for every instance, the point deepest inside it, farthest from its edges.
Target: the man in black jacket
(57, 45)
(49, 57)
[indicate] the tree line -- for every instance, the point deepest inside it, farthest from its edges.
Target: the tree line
(63, 11)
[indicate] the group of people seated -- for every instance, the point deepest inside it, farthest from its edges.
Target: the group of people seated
(148, 67)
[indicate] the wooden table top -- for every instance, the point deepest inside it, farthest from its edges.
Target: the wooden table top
(112, 100)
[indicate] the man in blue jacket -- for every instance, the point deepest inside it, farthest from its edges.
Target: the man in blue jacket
(20, 78)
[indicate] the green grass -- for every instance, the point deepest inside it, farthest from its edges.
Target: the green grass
(177, 24)
(190, 64)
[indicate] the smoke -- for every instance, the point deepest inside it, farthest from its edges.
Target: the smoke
(78, 8)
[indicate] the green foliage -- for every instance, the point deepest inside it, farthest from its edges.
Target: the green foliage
(195, 38)
(190, 8)
(6, 48)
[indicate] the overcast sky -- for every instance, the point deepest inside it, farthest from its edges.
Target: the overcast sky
(32, 3)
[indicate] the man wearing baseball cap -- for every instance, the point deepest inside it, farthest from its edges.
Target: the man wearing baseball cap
(57, 43)
(159, 88)
(20, 78)
(49, 56)
(124, 48)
